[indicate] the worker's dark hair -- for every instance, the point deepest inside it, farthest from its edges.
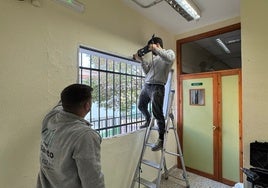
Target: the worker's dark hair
(75, 95)
(156, 40)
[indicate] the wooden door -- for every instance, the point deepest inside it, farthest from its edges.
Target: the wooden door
(230, 136)
(209, 124)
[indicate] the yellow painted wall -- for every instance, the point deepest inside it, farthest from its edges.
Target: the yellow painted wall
(254, 38)
(254, 73)
(38, 58)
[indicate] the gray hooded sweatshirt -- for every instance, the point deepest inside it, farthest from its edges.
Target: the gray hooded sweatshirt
(158, 69)
(70, 152)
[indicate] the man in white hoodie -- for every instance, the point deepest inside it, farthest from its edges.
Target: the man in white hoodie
(153, 90)
(70, 148)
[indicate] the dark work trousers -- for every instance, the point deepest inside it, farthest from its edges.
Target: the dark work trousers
(153, 93)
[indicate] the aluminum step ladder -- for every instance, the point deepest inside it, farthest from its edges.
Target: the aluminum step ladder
(137, 179)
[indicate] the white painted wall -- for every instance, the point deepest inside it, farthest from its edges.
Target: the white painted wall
(38, 58)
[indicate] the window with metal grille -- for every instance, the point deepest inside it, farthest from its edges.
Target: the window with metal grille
(116, 83)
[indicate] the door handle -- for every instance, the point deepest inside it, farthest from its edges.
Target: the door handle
(214, 127)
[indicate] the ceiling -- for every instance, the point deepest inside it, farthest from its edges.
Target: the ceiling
(212, 11)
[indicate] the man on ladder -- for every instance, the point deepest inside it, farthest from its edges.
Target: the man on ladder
(154, 88)
(157, 73)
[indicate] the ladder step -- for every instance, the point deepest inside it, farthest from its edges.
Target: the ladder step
(146, 183)
(154, 128)
(175, 154)
(151, 163)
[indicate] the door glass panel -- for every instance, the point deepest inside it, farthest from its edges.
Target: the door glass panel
(198, 126)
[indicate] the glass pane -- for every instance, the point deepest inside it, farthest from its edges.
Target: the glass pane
(94, 62)
(102, 89)
(129, 68)
(209, 55)
(110, 64)
(123, 67)
(134, 70)
(85, 77)
(85, 60)
(116, 66)
(102, 64)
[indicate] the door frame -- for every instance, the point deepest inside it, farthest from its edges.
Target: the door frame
(217, 120)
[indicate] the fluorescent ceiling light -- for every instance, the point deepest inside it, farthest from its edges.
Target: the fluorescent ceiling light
(223, 46)
(186, 8)
(72, 4)
(233, 41)
(190, 8)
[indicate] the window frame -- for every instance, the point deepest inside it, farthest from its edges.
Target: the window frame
(121, 128)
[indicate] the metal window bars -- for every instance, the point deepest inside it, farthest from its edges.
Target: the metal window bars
(117, 82)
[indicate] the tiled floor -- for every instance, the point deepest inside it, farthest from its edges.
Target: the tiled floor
(175, 180)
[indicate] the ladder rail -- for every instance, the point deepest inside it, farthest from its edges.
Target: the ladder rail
(145, 140)
(185, 176)
(162, 164)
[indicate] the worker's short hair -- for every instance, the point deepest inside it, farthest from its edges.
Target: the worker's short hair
(75, 95)
(156, 40)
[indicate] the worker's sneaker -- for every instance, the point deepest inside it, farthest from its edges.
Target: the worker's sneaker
(158, 145)
(145, 125)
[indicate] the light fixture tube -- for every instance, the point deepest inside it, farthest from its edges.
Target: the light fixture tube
(190, 8)
(223, 46)
(72, 4)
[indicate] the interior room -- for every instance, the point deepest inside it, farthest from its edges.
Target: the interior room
(42, 47)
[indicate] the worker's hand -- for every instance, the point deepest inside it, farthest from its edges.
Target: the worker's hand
(152, 47)
(137, 58)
